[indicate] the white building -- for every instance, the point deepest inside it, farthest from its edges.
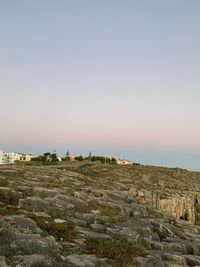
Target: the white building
(122, 161)
(1, 156)
(118, 160)
(10, 158)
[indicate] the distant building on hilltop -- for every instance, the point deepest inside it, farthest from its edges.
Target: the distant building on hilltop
(122, 161)
(1, 156)
(10, 158)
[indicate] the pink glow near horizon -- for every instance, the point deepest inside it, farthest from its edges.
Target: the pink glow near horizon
(120, 76)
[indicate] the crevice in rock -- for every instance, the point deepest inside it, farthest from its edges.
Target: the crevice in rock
(196, 212)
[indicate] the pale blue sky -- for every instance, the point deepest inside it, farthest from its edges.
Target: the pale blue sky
(112, 76)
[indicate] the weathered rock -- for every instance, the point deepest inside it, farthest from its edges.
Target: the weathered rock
(178, 258)
(3, 262)
(34, 204)
(98, 228)
(180, 206)
(85, 261)
(31, 260)
(88, 218)
(153, 207)
(192, 260)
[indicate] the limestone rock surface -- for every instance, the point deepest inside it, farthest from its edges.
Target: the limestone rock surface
(81, 214)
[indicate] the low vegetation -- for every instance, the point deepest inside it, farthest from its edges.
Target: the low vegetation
(62, 231)
(121, 252)
(46, 159)
(90, 213)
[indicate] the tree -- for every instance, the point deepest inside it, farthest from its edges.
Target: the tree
(67, 153)
(46, 154)
(79, 158)
(54, 158)
(46, 157)
(49, 158)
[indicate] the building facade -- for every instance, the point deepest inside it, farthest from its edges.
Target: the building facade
(10, 158)
(1, 156)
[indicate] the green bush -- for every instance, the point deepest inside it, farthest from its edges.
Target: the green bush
(65, 230)
(79, 158)
(120, 251)
(3, 182)
(46, 159)
(102, 159)
(9, 197)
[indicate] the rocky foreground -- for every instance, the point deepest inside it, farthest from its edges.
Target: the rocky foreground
(95, 215)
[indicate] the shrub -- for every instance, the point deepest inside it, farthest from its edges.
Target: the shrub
(102, 159)
(9, 197)
(113, 214)
(64, 230)
(46, 159)
(120, 251)
(3, 182)
(9, 210)
(79, 158)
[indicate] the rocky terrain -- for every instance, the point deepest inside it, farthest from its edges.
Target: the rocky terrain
(95, 215)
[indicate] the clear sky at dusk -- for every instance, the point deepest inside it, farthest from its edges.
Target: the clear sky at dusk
(111, 76)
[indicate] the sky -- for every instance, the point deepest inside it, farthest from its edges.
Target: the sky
(115, 77)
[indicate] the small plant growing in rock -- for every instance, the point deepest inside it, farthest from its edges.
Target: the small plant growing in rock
(60, 230)
(3, 182)
(8, 210)
(120, 251)
(113, 214)
(9, 197)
